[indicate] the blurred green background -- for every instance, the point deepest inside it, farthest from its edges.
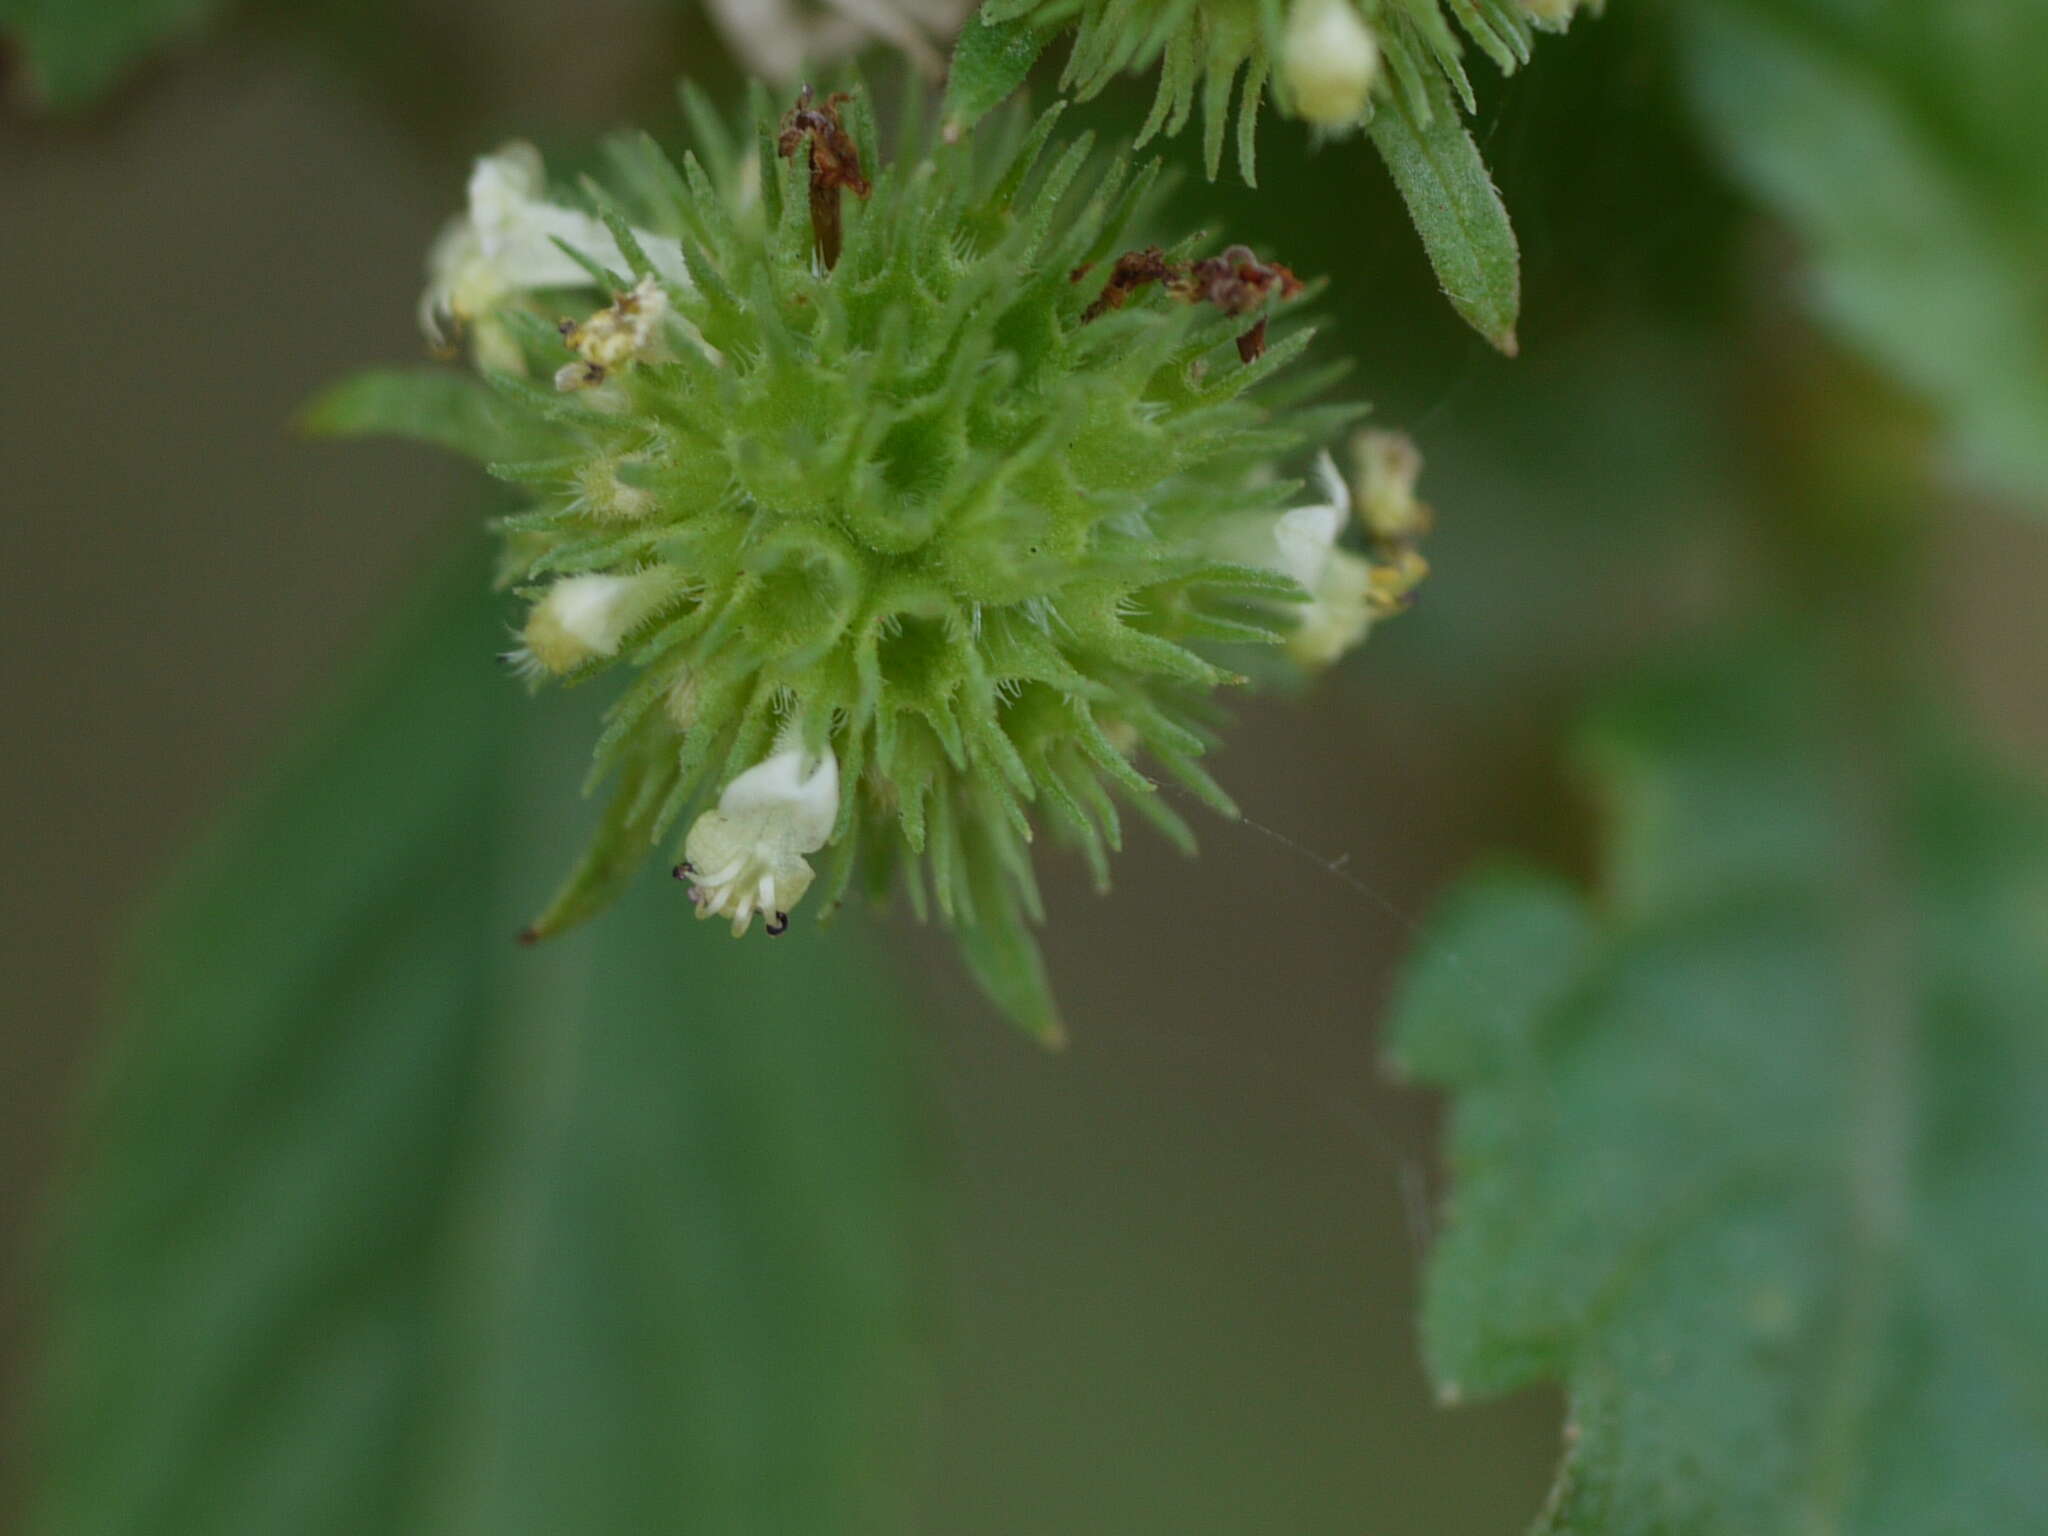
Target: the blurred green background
(1175, 1266)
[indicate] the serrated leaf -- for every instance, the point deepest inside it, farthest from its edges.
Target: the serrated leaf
(77, 50)
(1904, 145)
(1749, 1153)
(1451, 197)
(391, 1225)
(441, 406)
(990, 61)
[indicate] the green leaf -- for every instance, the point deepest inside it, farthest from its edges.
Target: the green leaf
(1749, 1153)
(990, 61)
(391, 1225)
(77, 50)
(1904, 145)
(1456, 209)
(442, 406)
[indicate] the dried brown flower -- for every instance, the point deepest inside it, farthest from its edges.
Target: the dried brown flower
(835, 163)
(1236, 282)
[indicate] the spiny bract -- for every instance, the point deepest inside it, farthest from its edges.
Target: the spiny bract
(906, 549)
(1322, 59)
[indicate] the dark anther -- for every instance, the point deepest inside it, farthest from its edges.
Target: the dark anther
(780, 926)
(835, 163)
(683, 871)
(528, 936)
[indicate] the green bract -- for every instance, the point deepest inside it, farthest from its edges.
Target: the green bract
(1390, 50)
(1391, 67)
(907, 556)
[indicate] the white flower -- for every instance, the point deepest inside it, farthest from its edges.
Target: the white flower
(1330, 61)
(1302, 543)
(504, 246)
(1339, 613)
(583, 618)
(747, 855)
(778, 39)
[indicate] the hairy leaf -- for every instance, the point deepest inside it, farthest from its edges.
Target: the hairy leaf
(1457, 211)
(989, 61)
(1749, 1152)
(427, 405)
(391, 1225)
(1904, 144)
(77, 50)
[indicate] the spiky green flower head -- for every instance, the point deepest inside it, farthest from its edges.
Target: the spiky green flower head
(1330, 62)
(922, 514)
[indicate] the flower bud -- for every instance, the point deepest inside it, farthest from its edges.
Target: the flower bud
(585, 617)
(747, 855)
(1330, 61)
(1387, 465)
(602, 492)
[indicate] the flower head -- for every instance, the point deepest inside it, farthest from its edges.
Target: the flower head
(747, 854)
(924, 552)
